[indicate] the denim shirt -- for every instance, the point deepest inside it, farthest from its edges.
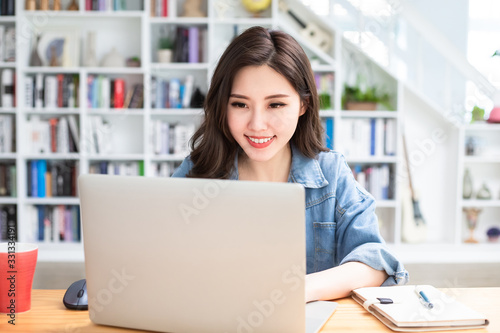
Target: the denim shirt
(341, 225)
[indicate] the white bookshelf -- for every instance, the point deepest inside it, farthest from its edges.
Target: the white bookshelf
(484, 166)
(135, 33)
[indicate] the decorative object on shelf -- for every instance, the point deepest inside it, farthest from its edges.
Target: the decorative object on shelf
(364, 97)
(484, 193)
(57, 4)
(192, 8)
(256, 6)
(66, 41)
(495, 112)
(467, 185)
(90, 56)
(56, 51)
(113, 59)
(165, 48)
(35, 60)
(471, 146)
(133, 62)
(44, 4)
(313, 33)
(471, 215)
(493, 234)
(73, 5)
(30, 5)
(414, 227)
(477, 115)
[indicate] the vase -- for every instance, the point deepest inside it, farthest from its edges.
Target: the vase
(113, 59)
(467, 185)
(35, 60)
(90, 57)
(484, 193)
(164, 56)
(73, 5)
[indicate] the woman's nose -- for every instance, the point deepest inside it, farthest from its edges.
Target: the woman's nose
(258, 120)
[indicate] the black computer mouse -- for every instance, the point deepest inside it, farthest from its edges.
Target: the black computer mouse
(75, 297)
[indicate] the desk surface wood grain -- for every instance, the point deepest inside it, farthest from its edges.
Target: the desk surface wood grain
(48, 314)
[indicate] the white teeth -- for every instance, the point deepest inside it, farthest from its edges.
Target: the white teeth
(259, 140)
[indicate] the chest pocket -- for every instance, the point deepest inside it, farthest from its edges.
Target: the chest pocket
(324, 245)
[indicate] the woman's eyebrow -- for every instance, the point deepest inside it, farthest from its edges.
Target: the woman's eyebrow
(267, 97)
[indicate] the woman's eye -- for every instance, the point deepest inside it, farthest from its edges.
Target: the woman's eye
(276, 105)
(238, 105)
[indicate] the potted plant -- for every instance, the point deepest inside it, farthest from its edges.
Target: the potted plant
(355, 98)
(477, 114)
(165, 46)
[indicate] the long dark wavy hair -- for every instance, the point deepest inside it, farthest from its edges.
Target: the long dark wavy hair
(213, 147)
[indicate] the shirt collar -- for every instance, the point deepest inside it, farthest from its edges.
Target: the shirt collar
(304, 170)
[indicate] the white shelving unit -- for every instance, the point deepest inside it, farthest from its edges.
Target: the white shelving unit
(484, 166)
(135, 33)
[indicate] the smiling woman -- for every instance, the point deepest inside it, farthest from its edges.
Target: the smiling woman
(262, 124)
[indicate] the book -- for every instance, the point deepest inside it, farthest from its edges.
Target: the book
(7, 93)
(402, 309)
(119, 93)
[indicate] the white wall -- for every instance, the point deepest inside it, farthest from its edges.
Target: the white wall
(432, 150)
(451, 17)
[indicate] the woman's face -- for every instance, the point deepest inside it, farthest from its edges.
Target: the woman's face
(263, 111)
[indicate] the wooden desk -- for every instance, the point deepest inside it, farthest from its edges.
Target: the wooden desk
(48, 314)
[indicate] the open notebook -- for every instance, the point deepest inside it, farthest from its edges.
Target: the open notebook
(408, 313)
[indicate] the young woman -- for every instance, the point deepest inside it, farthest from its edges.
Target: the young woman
(262, 124)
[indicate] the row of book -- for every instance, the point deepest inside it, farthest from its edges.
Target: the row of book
(7, 42)
(174, 93)
(104, 92)
(7, 134)
(8, 88)
(105, 5)
(51, 91)
(8, 7)
(8, 220)
(52, 179)
(159, 8)
(368, 137)
(376, 179)
(98, 139)
(52, 224)
(189, 44)
(135, 168)
(8, 186)
(53, 135)
(171, 138)
(164, 169)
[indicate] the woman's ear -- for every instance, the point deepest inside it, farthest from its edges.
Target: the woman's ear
(303, 107)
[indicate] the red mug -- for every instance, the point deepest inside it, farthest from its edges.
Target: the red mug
(17, 268)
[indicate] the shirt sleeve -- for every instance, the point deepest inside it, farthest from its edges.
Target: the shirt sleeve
(358, 236)
(183, 169)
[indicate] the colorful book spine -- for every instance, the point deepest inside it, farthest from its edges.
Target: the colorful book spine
(41, 170)
(119, 93)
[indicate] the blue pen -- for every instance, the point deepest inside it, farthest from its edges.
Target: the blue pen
(423, 298)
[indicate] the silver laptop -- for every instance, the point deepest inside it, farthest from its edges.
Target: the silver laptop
(196, 255)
